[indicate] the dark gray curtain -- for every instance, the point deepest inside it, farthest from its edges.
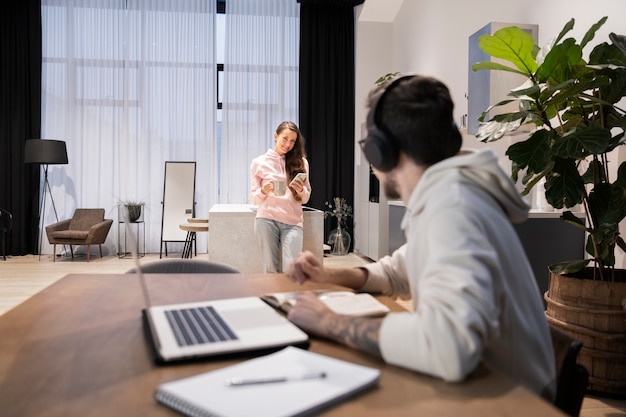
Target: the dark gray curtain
(327, 98)
(20, 119)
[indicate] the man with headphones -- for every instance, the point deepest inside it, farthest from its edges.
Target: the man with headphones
(473, 291)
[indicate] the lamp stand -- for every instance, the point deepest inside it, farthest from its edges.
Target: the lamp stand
(42, 211)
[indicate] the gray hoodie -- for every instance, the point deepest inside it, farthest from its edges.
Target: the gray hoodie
(473, 290)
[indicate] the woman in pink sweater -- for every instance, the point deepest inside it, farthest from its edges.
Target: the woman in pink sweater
(279, 219)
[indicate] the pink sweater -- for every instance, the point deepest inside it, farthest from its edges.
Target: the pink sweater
(285, 209)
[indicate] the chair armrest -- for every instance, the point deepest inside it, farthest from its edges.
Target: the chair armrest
(55, 227)
(98, 232)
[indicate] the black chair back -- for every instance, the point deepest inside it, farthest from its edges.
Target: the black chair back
(572, 378)
(185, 266)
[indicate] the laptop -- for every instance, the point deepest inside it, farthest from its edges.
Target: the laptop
(216, 328)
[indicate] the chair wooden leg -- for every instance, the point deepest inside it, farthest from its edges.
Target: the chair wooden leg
(88, 251)
(54, 253)
(100, 250)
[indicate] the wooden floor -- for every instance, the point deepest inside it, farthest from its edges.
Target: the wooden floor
(23, 276)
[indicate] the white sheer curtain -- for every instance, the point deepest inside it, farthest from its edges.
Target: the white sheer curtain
(129, 85)
(261, 63)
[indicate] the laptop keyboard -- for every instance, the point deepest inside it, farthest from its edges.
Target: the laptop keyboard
(198, 325)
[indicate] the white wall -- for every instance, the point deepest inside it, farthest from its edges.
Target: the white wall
(430, 37)
(373, 54)
(433, 40)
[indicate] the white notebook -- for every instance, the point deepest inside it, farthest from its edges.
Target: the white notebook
(290, 382)
(341, 302)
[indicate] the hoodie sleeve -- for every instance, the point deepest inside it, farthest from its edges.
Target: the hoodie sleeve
(256, 195)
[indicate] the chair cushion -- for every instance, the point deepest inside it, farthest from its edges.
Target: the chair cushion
(70, 234)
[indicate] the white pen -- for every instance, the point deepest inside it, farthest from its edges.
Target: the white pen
(237, 382)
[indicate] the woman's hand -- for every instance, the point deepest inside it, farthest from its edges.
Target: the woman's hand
(267, 188)
(297, 185)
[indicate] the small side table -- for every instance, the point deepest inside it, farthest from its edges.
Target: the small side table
(123, 240)
(194, 225)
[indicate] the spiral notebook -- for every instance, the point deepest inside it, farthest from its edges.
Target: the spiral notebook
(290, 382)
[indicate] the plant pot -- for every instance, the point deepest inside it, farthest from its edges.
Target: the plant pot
(593, 312)
(131, 212)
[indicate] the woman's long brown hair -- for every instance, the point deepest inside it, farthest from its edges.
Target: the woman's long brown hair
(294, 162)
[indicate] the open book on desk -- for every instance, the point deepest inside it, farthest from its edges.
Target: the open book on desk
(341, 302)
(290, 382)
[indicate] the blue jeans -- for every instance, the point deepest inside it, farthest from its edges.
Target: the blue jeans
(277, 242)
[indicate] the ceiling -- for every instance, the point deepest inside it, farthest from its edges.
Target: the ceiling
(380, 10)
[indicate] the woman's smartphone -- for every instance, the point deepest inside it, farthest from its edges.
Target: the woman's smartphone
(299, 176)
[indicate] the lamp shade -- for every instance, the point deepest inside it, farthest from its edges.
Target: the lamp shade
(42, 151)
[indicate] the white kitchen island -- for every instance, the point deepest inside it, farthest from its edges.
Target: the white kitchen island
(232, 240)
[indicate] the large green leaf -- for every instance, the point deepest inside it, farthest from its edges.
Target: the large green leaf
(488, 65)
(511, 44)
(619, 41)
(591, 33)
(576, 221)
(561, 62)
(595, 173)
(582, 142)
(568, 267)
(601, 243)
(614, 90)
(621, 176)
(564, 186)
(607, 54)
(568, 27)
(533, 153)
(606, 204)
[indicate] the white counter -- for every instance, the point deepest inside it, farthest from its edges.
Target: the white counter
(232, 240)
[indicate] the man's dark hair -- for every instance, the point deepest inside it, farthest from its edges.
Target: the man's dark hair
(418, 115)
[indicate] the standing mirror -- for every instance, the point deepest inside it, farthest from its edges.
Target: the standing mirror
(179, 189)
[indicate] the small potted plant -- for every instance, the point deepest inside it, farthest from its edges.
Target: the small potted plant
(572, 107)
(385, 78)
(131, 210)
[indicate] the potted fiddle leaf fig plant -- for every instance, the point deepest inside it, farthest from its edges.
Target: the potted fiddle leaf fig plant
(571, 106)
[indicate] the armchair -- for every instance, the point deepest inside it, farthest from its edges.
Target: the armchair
(87, 227)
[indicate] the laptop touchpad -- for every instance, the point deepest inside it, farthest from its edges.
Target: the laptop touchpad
(252, 317)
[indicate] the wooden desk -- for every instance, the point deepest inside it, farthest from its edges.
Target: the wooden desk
(77, 349)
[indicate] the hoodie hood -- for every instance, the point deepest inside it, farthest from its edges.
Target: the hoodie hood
(477, 169)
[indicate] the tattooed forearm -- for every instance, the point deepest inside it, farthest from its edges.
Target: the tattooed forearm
(357, 332)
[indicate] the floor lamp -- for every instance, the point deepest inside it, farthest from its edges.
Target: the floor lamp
(45, 152)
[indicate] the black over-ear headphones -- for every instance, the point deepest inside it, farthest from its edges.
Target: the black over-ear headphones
(380, 147)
